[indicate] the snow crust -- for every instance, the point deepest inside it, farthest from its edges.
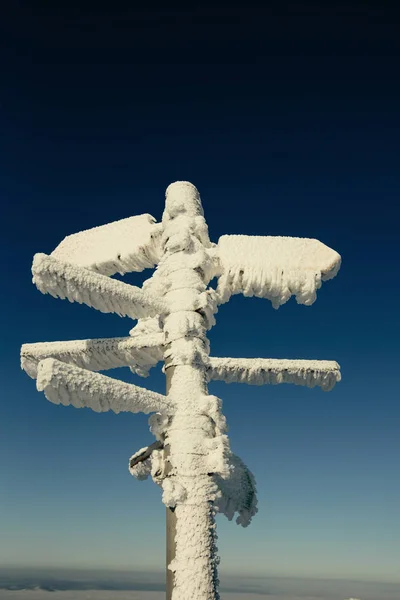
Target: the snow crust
(69, 385)
(131, 244)
(78, 284)
(139, 353)
(275, 268)
(260, 371)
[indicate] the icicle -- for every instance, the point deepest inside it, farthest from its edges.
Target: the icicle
(63, 280)
(274, 267)
(260, 371)
(66, 384)
(131, 244)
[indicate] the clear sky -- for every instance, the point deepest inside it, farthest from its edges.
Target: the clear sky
(286, 119)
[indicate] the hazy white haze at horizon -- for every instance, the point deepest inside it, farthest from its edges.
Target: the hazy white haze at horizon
(143, 595)
(79, 584)
(101, 595)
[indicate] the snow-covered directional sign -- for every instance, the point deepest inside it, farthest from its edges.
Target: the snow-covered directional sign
(124, 246)
(274, 267)
(191, 458)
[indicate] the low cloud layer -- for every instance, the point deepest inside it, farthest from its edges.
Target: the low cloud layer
(131, 595)
(59, 584)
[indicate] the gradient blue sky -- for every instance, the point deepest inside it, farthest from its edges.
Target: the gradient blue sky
(286, 119)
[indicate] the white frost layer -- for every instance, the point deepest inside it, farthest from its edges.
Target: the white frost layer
(66, 384)
(182, 197)
(190, 351)
(95, 355)
(78, 284)
(238, 493)
(195, 565)
(131, 244)
(275, 268)
(260, 371)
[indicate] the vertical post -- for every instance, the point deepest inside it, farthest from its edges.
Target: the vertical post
(191, 526)
(170, 554)
(170, 513)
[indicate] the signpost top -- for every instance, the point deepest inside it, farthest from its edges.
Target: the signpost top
(182, 197)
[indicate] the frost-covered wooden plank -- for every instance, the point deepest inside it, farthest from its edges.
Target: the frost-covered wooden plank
(78, 284)
(96, 355)
(275, 268)
(69, 385)
(131, 244)
(260, 371)
(238, 493)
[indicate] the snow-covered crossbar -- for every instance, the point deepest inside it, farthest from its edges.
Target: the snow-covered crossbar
(62, 280)
(260, 371)
(139, 353)
(131, 244)
(275, 268)
(70, 385)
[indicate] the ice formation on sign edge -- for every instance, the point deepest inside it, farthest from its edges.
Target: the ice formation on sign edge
(260, 371)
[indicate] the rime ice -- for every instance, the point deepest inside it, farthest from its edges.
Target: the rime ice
(66, 384)
(139, 352)
(275, 268)
(175, 308)
(77, 284)
(131, 244)
(259, 371)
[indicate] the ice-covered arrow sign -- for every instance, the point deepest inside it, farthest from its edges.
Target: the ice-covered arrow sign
(63, 280)
(69, 385)
(191, 458)
(274, 267)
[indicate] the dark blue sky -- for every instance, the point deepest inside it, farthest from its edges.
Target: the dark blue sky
(286, 118)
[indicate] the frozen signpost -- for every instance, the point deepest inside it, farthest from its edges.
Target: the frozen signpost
(191, 457)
